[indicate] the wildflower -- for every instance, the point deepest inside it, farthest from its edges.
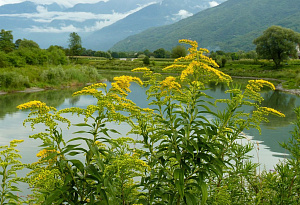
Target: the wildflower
(142, 69)
(122, 83)
(267, 110)
(174, 67)
(170, 83)
(96, 85)
(32, 104)
(90, 91)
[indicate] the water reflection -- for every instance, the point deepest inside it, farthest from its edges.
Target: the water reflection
(278, 130)
(8, 103)
(282, 102)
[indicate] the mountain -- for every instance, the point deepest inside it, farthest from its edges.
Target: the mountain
(100, 24)
(154, 15)
(49, 24)
(230, 26)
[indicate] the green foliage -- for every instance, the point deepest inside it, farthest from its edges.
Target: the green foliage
(56, 56)
(9, 165)
(146, 60)
(13, 80)
(178, 51)
(278, 44)
(6, 41)
(75, 44)
(185, 157)
(216, 29)
(57, 75)
(160, 53)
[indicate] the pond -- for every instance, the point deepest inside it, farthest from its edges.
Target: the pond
(269, 153)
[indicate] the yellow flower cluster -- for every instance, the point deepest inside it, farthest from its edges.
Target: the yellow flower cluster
(267, 110)
(189, 57)
(33, 104)
(16, 141)
(174, 67)
(99, 144)
(96, 85)
(90, 91)
(170, 83)
(122, 83)
(257, 84)
(45, 152)
(142, 69)
(194, 44)
(188, 71)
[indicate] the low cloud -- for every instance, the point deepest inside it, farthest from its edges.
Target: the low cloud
(101, 20)
(65, 3)
(213, 3)
(182, 14)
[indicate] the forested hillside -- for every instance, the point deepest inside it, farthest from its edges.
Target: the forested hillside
(231, 26)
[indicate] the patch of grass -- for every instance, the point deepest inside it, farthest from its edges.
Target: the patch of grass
(33, 76)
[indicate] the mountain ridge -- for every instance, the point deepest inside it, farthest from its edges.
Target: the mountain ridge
(230, 26)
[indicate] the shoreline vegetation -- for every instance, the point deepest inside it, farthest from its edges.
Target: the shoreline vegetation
(87, 70)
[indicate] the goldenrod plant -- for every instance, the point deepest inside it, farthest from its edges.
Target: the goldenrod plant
(189, 146)
(9, 165)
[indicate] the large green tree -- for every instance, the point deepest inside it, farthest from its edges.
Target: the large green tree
(178, 51)
(6, 41)
(277, 43)
(75, 45)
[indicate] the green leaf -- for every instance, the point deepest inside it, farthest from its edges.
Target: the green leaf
(204, 192)
(83, 125)
(190, 199)
(179, 181)
(78, 164)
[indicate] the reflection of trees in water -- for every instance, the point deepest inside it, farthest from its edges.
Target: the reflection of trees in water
(213, 86)
(74, 100)
(282, 102)
(8, 103)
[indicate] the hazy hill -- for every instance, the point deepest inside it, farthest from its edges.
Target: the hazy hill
(231, 26)
(154, 15)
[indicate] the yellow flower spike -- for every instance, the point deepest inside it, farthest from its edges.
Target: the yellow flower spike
(96, 85)
(32, 104)
(174, 67)
(142, 69)
(170, 83)
(122, 83)
(91, 91)
(268, 110)
(262, 83)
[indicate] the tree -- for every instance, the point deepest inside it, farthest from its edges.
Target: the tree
(160, 53)
(6, 41)
(75, 44)
(178, 51)
(146, 60)
(277, 43)
(27, 44)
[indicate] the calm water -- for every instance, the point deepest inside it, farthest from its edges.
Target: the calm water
(270, 152)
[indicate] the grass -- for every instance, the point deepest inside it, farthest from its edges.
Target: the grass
(289, 72)
(46, 77)
(87, 70)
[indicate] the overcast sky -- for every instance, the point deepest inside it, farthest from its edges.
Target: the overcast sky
(42, 15)
(67, 3)
(101, 20)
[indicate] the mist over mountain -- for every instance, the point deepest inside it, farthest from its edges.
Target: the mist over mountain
(100, 25)
(230, 26)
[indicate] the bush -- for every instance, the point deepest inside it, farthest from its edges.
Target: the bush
(13, 80)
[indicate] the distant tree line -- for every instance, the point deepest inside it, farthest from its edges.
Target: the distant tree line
(27, 52)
